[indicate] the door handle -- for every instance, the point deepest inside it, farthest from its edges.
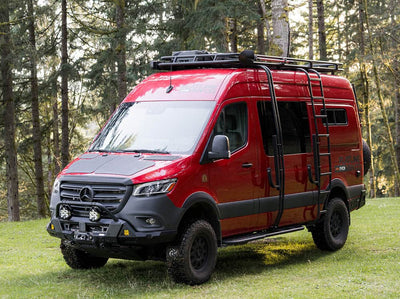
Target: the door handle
(247, 165)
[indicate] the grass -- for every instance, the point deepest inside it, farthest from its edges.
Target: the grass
(288, 266)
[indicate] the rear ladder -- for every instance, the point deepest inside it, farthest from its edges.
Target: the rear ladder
(318, 136)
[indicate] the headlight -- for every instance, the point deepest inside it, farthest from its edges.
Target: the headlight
(56, 186)
(156, 187)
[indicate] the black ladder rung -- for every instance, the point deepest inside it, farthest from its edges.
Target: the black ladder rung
(321, 116)
(323, 135)
(318, 98)
(315, 79)
(325, 154)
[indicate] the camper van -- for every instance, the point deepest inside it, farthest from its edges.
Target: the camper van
(215, 149)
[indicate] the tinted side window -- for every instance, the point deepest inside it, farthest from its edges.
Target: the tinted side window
(336, 116)
(232, 122)
(294, 123)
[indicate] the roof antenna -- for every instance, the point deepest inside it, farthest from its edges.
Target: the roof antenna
(170, 87)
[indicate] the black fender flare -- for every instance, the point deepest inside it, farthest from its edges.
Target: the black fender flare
(204, 199)
(335, 186)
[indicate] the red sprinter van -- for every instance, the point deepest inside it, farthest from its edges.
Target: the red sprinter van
(216, 150)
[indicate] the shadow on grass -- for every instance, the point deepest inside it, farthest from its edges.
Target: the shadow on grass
(265, 255)
(120, 277)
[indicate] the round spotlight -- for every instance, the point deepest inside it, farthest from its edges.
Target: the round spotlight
(65, 212)
(94, 214)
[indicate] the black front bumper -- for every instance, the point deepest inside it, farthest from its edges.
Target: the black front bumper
(108, 233)
(128, 226)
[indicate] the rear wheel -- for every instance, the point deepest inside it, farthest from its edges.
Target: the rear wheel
(331, 232)
(193, 260)
(78, 259)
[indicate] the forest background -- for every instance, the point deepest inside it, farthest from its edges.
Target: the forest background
(67, 64)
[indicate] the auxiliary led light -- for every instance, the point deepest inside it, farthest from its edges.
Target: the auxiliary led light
(65, 212)
(151, 221)
(94, 214)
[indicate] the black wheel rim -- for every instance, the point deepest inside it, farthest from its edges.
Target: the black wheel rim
(336, 224)
(199, 252)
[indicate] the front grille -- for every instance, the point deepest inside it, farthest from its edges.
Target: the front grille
(112, 196)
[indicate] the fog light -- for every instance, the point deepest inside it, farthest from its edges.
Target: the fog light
(94, 214)
(151, 221)
(65, 212)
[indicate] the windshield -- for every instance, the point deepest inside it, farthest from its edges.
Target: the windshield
(155, 127)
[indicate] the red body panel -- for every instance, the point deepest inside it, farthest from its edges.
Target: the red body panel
(227, 181)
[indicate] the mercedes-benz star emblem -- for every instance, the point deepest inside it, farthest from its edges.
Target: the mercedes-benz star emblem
(86, 194)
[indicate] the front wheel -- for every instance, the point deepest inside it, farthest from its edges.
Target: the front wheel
(331, 232)
(193, 260)
(78, 259)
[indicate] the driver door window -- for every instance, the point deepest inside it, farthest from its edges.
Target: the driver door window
(232, 122)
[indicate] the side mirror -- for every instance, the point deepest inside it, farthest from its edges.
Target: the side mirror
(220, 148)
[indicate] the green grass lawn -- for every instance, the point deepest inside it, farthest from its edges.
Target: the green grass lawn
(288, 266)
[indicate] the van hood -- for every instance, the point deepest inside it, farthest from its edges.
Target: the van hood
(114, 164)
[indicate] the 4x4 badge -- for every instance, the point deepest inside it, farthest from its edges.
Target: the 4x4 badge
(86, 194)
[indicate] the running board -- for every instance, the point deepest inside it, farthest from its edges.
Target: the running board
(242, 239)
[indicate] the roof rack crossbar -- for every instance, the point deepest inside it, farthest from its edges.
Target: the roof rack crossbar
(198, 59)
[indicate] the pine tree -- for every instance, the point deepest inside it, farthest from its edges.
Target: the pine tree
(9, 114)
(36, 131)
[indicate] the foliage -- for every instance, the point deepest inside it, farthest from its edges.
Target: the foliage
(283, 267)
(155, 28)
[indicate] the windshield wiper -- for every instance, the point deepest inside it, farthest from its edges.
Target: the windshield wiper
(99, 150)
(147, 151)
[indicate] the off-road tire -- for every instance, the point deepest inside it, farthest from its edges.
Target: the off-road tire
(331, 232)
(193, 259)
(78, 259)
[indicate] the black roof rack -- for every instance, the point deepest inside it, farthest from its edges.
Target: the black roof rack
(203, 59)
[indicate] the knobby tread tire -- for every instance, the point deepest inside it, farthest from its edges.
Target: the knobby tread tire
(182, 260)
(78, 259)
(331, 232)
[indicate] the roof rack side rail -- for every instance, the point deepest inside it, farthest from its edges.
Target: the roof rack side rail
(247, 58)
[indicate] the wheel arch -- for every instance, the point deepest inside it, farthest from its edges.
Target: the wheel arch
(201, 205)
(338, 189)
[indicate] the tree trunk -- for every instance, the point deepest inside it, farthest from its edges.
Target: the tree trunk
(121, 48)
(397, 120)
(366, 99)
(321, 30)
(280, 26)
(267, 27)
(36, 135)
(260, 32)
(310, 30)
(396, 78)
(233, 35)
(9, 114)
(64, 86)
(56, 132)
(380, 99)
